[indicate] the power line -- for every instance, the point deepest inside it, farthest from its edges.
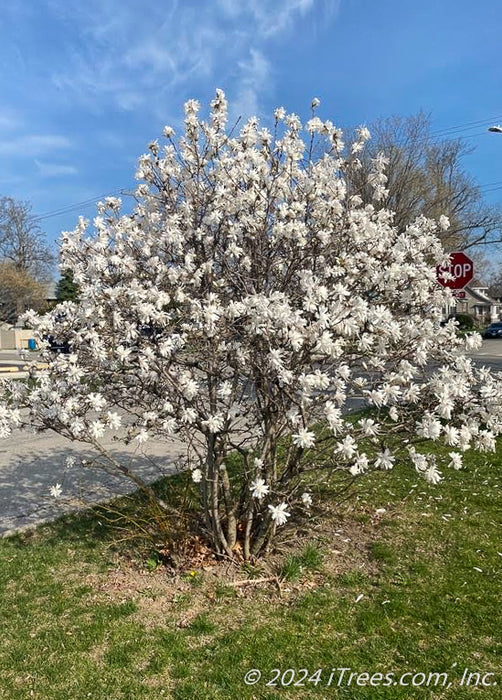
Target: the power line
(440, 137)
(489, 184)
(71, 207)
(479, 122)
(493, 189)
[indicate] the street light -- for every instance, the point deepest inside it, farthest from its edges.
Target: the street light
(495, 129)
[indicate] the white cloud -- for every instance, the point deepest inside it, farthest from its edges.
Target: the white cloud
(253, 81)
(31, 145)
(273, 17)
(15, 11)
(9, 180)
(9, 120)
(111, 139)
(139, 58)
(132, 56)
(277, 17)
(55, 169)
(150, 55)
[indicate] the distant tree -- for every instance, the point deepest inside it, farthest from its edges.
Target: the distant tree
(19, 291)
(66, 289)
(495, 284)
(22, 242)
(426, 176)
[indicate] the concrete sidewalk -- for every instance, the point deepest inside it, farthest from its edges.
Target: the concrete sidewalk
(31, 463)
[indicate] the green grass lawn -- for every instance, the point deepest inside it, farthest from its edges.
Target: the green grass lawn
(414, 589)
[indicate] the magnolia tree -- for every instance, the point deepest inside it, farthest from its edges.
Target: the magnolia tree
(244, 306)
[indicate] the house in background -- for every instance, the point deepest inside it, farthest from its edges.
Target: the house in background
(475, 301)
(12, 338)
(51, 293)
(16, 337)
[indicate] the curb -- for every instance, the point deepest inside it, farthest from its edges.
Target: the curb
(23, 368)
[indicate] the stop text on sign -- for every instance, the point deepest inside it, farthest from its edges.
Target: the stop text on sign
(458, 273)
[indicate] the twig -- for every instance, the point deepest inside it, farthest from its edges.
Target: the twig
(254, 581)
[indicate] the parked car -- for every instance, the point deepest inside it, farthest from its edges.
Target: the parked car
(58, 346)
(494, 330)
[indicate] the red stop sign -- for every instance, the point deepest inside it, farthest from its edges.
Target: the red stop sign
(461, 268)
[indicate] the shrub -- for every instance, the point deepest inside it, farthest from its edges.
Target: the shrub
(276, 297)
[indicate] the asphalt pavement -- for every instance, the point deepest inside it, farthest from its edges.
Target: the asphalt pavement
(490, 354)
(31, 463)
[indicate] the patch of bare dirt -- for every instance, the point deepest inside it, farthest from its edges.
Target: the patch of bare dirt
(166, 597)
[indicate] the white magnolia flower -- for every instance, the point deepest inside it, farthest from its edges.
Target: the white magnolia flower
(430, 428)
(188, 415)
(485, 441)
(444, 222)
(360, 465)
(432, 474)
(56, 490)
(419, 460)
(123, 353)
(77, 427)
(347, 447)
(190, 388)
(196, 476)
(224, 390)
(214, 423)
(304, 438)
(456, 460)
(114, 420)
(451, 435)
(142, 436)
(293, 416)
(259, 488)
(369, 427)
(306, 499)
(97, 401)
(393, 413)
(279, 513)
(385, 459)
(97, 429)
(473, 341)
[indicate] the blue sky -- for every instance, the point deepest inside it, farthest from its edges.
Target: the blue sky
(85, 84)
